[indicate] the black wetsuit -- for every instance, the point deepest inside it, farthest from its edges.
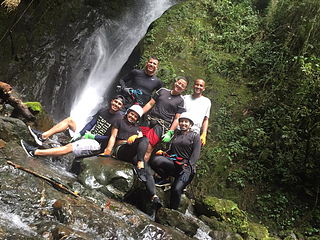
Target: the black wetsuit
(140, 80)
(187, 146)
(166, 108)
(133, 152)
(167, 105)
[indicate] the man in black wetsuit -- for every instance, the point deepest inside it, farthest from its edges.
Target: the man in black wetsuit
(145, 80)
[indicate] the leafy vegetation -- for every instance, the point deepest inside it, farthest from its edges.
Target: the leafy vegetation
(261, 63)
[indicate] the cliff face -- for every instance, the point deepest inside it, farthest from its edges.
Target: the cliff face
(42, 48)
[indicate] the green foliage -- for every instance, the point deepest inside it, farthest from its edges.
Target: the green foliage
(267, 140)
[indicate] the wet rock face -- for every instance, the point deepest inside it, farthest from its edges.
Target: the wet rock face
(30, 208)
(11, 131)
(178, 220)
(112, 177)
(44, 56)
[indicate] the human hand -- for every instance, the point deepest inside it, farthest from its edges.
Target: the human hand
(131, 139)
(89, 135)
(106, 153)
(203, 139)
(186, 172)
(167, 136)
(159, 152)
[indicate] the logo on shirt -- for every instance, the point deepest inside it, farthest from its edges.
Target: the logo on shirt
(152, 79)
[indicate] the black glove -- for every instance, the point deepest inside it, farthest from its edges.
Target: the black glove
(186, 172)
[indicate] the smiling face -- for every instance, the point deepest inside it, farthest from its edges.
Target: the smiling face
(179, 86)
(116, 105)
(151, 66)
(198, 87)
(132, 117)
(184, 124)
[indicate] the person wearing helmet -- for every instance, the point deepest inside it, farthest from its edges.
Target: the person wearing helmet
(91, 140)
(127, 143)
(179, 161)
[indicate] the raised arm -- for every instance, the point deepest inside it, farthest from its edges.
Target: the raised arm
(149, 105)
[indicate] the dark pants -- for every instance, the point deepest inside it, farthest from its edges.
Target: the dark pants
(165, 168)
(135, 152)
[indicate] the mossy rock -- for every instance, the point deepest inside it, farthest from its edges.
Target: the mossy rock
(43, 120)
(34, 107)
(258, 231)
(313, 238)
(225, 211)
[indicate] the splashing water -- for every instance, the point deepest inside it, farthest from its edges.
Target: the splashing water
(13, 221)
(113, 44)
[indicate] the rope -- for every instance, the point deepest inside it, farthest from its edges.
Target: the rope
(136, 95)
(164, 124)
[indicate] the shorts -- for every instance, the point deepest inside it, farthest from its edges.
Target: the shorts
(86, 147)
(154, 134)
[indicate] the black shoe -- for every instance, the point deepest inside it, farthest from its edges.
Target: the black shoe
(162, 182)
(37, 135)
(156, 203)
(141, 173)
(29, 149)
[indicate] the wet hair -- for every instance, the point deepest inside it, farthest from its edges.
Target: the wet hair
(185, 79)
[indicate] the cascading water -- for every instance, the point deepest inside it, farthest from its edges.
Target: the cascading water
(113, 44)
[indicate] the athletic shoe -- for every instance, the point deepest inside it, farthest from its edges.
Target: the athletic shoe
(162, 182)
(28, 149)
(141, 173)
(156, 203)
(37, 135)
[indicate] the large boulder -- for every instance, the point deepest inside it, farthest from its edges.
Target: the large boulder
(185, 223)
(11, 131)
(112, 177)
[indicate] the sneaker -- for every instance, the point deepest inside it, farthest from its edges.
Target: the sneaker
(162, 182)
(141, 173)
(156, 203)
(28, 149)
(37, 135)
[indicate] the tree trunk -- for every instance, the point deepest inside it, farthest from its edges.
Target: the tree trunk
(6, 97)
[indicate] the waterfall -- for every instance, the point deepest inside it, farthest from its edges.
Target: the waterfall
(111, 45)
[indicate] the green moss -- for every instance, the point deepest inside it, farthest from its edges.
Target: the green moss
(228, 212)
(258, 231)
(34, 106)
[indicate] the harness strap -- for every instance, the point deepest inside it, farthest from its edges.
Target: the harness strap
(164, 124)
(179, 160)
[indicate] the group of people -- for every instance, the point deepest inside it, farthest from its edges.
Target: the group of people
(161, 115)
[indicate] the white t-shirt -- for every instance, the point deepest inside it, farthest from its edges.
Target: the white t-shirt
(199, 109)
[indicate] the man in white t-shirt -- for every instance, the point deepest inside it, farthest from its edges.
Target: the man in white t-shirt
(199, 107)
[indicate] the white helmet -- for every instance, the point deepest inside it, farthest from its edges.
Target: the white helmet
(186, 115)
(136, 108)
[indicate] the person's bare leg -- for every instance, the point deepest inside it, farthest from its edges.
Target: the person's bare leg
(58, 151)
(60, 127)
(148, 152)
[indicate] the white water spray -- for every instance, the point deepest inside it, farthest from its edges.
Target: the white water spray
(113, 45)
